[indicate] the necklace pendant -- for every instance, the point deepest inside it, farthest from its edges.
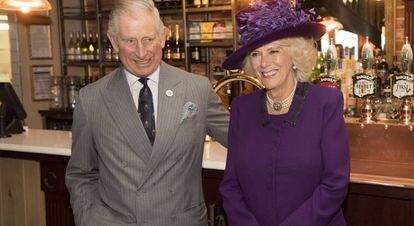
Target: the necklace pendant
(277, 106)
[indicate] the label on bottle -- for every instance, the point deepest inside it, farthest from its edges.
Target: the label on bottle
(327, 81)
(403, 85)
(364, 85)
(176, 56)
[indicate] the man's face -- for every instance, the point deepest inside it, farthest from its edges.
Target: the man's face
(139, 44)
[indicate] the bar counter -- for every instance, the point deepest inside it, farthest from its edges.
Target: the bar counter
(382, 172)
(51, 142)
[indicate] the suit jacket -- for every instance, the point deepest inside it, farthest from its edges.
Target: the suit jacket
(115, 177)
(291, 169)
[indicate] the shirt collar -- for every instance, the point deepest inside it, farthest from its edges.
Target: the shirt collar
(132, 79)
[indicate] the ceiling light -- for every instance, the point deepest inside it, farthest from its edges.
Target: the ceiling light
(331, 23)
(25, 5)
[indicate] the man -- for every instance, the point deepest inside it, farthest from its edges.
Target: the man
(138, 133)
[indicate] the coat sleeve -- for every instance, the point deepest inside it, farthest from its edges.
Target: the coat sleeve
(82, 170)
(233, 201)
(217, 117)
(328, 196)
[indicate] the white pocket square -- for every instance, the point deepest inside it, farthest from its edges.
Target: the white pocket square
(189, 110)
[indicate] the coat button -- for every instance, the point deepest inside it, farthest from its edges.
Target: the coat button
(124, 164)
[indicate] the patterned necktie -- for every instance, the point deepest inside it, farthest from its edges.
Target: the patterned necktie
(146, 110)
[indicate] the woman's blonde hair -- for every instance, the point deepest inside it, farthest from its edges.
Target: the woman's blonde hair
(302, 51)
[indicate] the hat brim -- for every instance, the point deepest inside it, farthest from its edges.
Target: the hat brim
(306, 30)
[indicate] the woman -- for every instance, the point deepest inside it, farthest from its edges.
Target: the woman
(288, 157)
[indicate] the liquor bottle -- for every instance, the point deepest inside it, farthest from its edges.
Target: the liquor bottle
(195, 54)
(96, 45)
(108, 50)
(91, 47)
(78, 49)
(177, 48)
(394, 69)
(84, 47)
(168, 45)
(70, 52)
(382, 74)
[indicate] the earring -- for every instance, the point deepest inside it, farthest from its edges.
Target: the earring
(294, 67)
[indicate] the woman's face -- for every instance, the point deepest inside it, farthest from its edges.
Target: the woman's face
(272, 65)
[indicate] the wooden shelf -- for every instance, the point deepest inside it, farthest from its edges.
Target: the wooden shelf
(209, 9)
(224, 43)
(92, 63)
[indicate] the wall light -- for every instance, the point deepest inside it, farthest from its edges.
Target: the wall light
(25, 5)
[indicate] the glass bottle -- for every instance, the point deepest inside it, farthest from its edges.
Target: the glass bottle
(72, 91)
(84, 47)
(78, 49)
(177, 48)
(56, 92)
(168, 45)
(108, 50)
(91, 47)
(70, 53)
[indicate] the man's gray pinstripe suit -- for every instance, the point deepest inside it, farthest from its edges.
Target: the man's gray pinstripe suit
(115, 177)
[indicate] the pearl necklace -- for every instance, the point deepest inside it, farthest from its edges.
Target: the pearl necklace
(278, 106)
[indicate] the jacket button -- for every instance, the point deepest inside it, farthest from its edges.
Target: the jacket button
(124, 164)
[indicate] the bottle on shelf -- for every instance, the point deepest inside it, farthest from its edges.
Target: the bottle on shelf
(177, 49)
(70, 52)
(108, 50)
(84, 47)
(91, 47)
(195, 54)
(78, 48)
(394, 69)
(96, 45)
(167, 52)
(382, 74)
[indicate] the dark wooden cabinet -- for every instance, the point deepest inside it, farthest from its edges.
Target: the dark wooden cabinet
(57, 119)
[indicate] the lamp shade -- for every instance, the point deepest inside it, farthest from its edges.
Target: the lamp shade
(331, 23)
(25, 5)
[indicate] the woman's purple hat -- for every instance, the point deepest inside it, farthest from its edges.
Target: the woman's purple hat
(265, 22)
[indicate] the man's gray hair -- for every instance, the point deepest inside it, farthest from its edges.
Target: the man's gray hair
(133, 8)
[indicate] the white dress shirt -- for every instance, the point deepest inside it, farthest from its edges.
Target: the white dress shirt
(135, 86)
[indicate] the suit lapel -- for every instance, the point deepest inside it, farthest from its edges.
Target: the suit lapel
(120, 103)
(168, 115)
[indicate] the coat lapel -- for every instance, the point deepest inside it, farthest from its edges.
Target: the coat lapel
(168, 115)
(120, 104)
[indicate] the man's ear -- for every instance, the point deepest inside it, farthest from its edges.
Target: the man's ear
(164, 36)
(114, 42)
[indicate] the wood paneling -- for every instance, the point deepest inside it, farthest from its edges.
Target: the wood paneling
(21, 201)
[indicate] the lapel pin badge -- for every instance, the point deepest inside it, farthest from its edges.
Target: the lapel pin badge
(169, 93)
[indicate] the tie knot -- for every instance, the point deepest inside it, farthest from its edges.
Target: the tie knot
(143, 81)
